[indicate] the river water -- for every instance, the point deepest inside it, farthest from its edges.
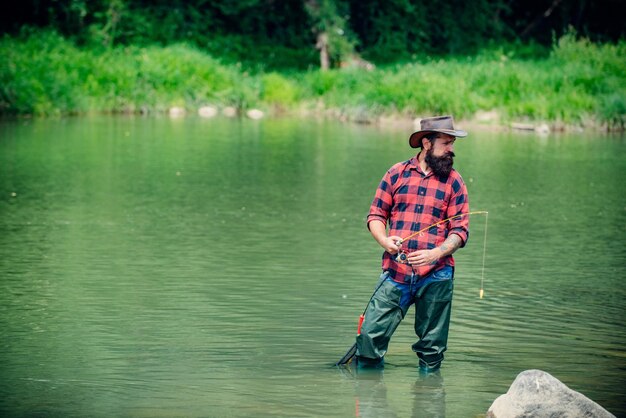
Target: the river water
(155, 268)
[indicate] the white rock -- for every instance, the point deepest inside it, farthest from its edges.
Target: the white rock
(535, 393)
(523, 126)
(207, 111)
(542, 129)
(176, 112)
(254, 114)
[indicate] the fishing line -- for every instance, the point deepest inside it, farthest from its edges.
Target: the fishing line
(482, 274)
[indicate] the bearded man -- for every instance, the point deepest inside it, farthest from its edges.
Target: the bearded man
(413, 195)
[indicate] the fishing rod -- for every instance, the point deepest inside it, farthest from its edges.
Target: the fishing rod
(402, 256)
(347, 358)
(460, 215)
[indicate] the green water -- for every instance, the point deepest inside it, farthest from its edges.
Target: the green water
(157, 268)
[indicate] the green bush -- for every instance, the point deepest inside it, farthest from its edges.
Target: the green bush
(44, 74)
(278, 90)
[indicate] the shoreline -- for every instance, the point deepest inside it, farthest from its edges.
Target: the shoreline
(482, 120)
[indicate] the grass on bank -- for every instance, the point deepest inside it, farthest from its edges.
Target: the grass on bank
(578, 83)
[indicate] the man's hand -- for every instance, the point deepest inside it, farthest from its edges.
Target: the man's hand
(424, 257)
(389, 244)
(378, 231)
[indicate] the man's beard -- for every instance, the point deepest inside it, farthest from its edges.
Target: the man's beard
(441, 166)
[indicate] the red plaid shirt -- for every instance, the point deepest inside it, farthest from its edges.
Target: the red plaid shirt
(407, 200)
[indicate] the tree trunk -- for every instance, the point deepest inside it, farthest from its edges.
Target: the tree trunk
(322, 45)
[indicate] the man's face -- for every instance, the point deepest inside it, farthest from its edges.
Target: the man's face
(440, 153)
(443, 145)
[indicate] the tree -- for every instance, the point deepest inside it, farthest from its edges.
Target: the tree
(333, 38)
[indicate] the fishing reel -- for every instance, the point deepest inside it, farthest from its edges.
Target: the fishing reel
(402, 256)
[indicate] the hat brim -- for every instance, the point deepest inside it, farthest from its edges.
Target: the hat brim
(415, 140)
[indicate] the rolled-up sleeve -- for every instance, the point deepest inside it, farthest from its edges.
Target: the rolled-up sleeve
(380, 209)
(459, 204)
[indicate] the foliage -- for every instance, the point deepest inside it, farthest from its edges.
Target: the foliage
(384, 32)
(278, 90)
(43, 73)
(406, 28)
(257, 56)
(46, 74)
(328, 20)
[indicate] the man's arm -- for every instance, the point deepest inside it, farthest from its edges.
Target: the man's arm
(379, 232)
(450, 245)
(426, 257)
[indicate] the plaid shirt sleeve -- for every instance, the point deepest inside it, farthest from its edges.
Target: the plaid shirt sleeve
(459, 203)
(383, 200)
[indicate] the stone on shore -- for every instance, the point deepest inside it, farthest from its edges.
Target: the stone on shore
(207, 111)
(254, 114)
(535, 393)
(520, 126)
(542, 129)
(176, 112)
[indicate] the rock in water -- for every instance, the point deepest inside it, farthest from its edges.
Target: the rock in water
(535, 393)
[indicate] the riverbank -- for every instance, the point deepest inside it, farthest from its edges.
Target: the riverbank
(579, 85)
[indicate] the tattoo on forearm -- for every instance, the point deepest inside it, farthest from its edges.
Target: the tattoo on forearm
(451, 244)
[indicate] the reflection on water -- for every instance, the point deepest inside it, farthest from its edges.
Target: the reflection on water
(427, 394)
(371, 395)
(429, 399)
(193, 267)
